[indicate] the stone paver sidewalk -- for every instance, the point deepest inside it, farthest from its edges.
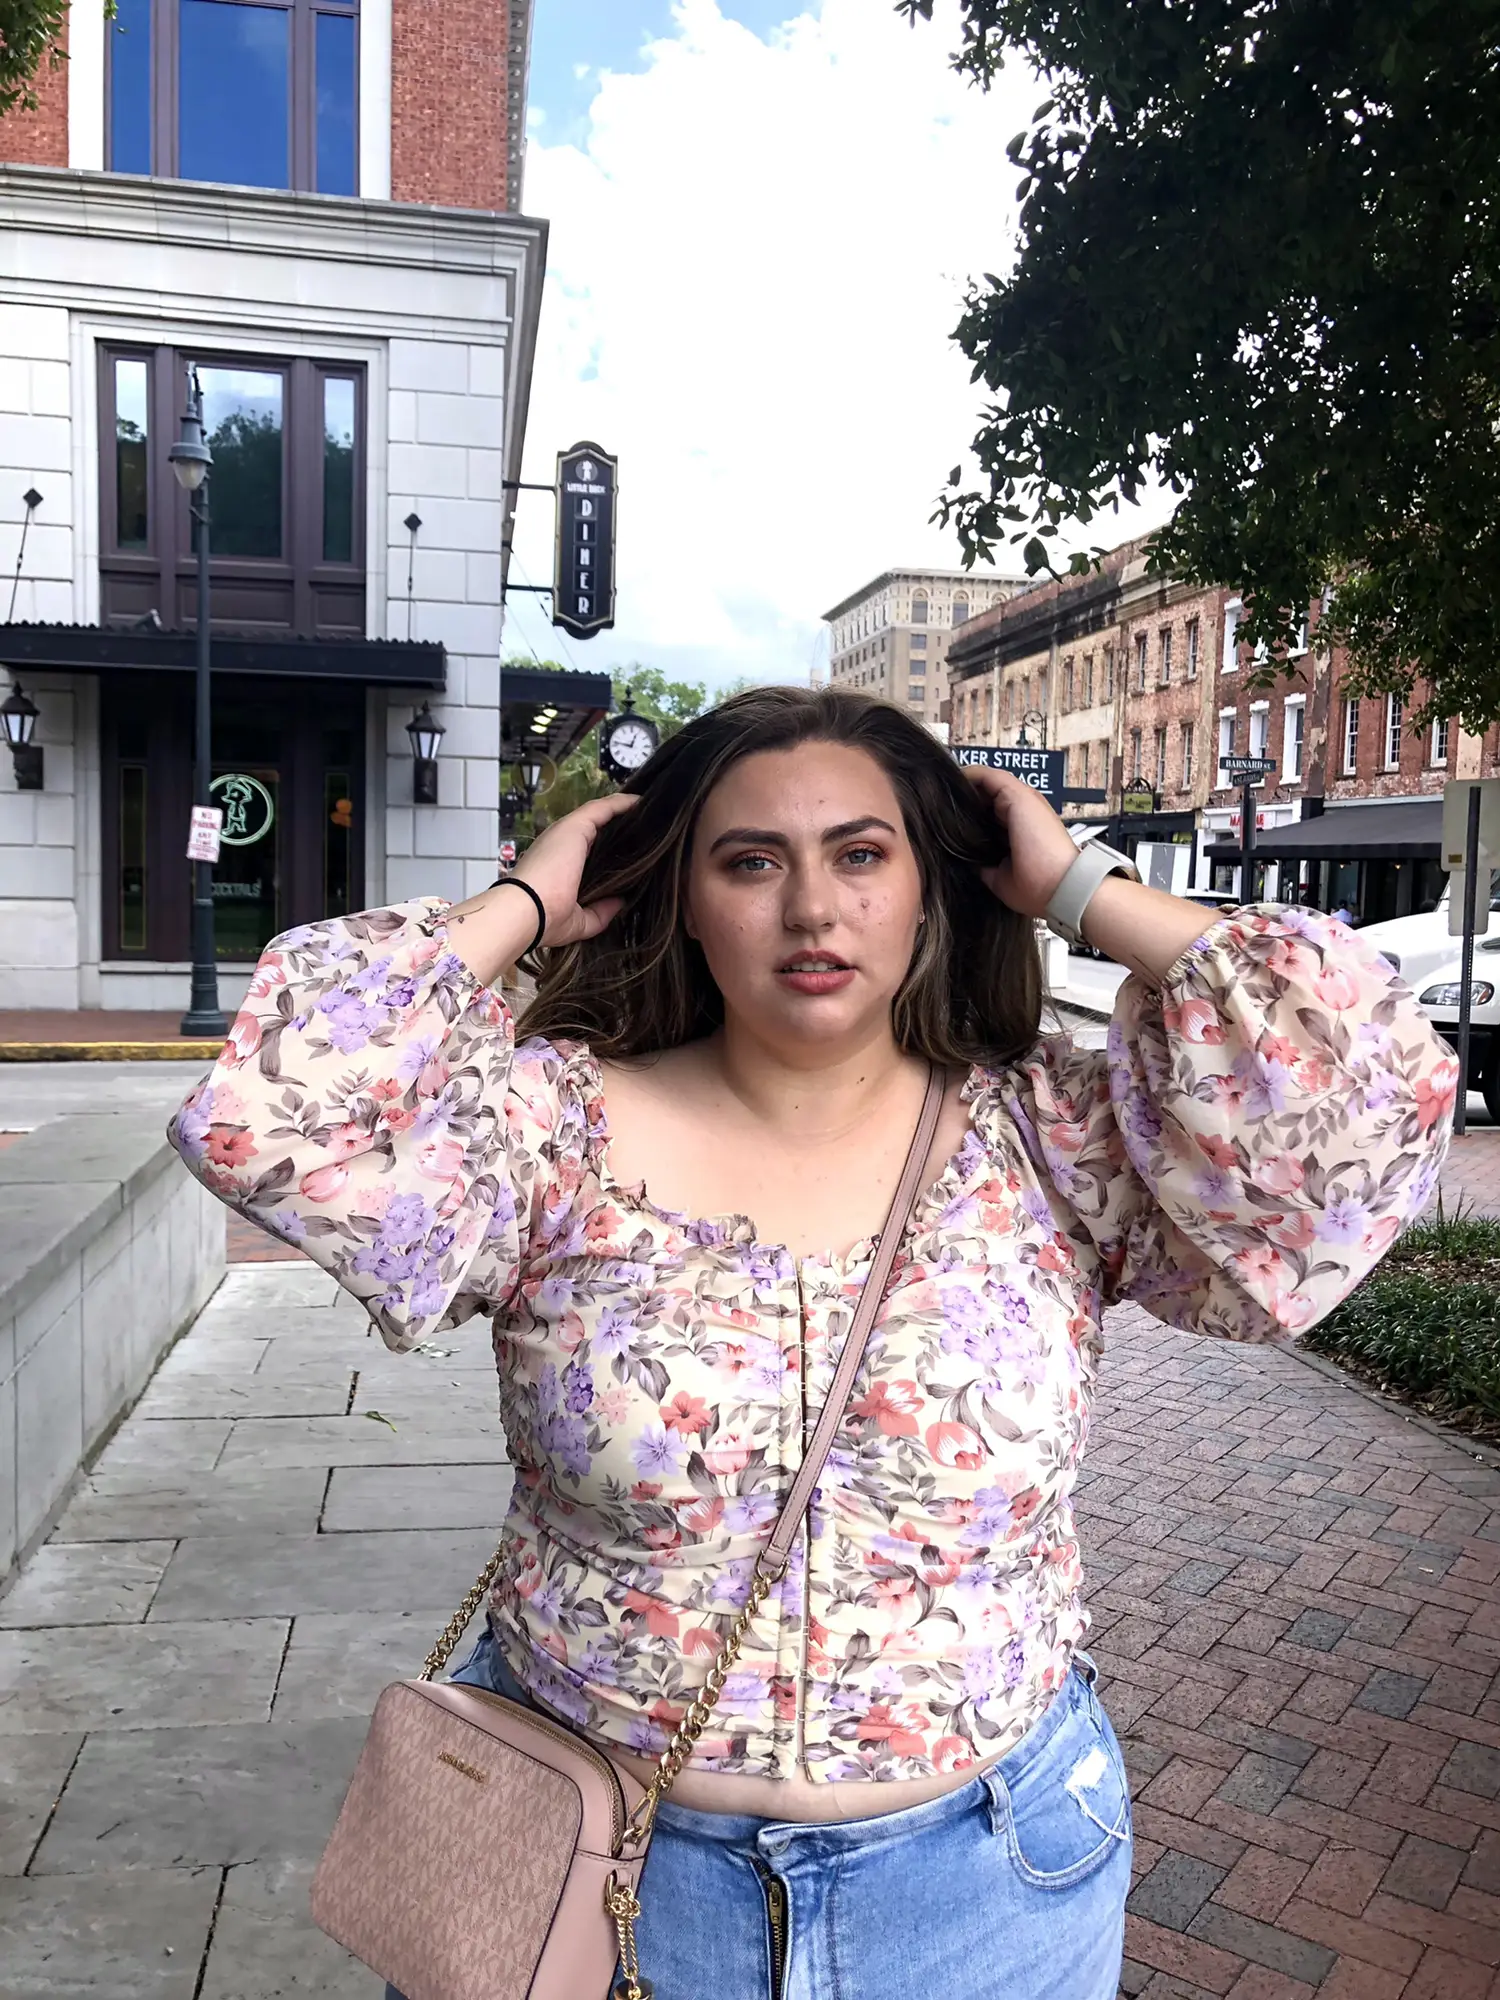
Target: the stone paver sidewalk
(1296, 1615)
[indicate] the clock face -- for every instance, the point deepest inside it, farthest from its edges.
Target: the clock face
(631, 743)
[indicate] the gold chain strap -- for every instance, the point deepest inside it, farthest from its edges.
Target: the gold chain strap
(458, 1624)
(620, 1901)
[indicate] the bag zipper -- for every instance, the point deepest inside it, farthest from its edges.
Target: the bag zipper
(586, 1750)
(775, 1893)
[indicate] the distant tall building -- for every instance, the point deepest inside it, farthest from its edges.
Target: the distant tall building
(890, 637)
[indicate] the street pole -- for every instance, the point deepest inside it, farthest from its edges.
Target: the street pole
(1466, 973)
(1247, 842)
(203, 1016)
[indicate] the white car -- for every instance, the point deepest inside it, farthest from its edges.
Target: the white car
(1431, 963)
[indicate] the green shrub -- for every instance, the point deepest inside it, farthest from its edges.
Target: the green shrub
(1426, 1322)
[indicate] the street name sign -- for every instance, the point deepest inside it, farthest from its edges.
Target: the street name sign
(1041, 769)
(583, 575)
(1247, 767)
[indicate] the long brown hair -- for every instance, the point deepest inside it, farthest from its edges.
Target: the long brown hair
(974, 989)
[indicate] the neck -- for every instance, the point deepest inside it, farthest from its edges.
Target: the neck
(810, 1093)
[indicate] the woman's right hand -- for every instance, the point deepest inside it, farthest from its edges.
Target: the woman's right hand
(490, 931)
(553, 865)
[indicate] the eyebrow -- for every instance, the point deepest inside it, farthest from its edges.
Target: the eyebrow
(756, 836)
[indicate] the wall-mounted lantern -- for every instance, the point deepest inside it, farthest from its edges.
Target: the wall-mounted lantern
(426, 732)
(18, 716)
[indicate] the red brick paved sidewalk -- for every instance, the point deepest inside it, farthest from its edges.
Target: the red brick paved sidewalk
(1297, 1618)
(1472, 1171)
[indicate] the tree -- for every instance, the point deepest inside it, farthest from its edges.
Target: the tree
(1259, 258)
(30, 30)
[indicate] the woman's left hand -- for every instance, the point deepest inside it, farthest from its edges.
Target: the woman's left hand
(1041, 849)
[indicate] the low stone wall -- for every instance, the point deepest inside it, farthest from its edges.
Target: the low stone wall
(107, 1251)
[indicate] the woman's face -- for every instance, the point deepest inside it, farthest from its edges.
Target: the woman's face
(804, 893)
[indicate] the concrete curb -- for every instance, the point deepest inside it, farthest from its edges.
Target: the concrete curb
(183, 1051)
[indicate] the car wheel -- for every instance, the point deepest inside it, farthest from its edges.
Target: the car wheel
(1489, 1083)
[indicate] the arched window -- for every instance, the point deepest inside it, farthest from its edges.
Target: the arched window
(919, 608)
(960, 609)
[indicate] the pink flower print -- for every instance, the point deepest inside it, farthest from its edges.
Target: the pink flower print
(268, 975)
(324, 1183)
(347, 1140)
(1336, 988)
(1293, 1232)
(441, 1158)
(433, 1080)
(952, 1753)
(613, 1405)
(1200, 1022)
(899, 1729)
(1435, 1095)
(1293, 1310)
(1287, 958)
(230, 1145)
(955, 1445)
(1278, 1173)
(895, 1407)
(244, 1040)
(1220, 1151)
(729, 1452)
(702, 1515)
(1262, 1268)
(686, 1413)
(1379, 1237)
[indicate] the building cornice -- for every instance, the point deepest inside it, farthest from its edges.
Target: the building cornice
(891, 576)
(193, 215)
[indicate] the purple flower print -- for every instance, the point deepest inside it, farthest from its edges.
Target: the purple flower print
(981, 1673)
(658, 1452)
(350, 1022)
(1344, 1220)
(448, 968)
(1015, 1663)
(598, 1662)
(646, 1738)
(370, 978)
(407, 1218)
(991, 1521)
(707, 1235)
(548, 1390)
(1215, 1187)
(288, 1223)
(748, 1513)
(579, 1386)
(1142, 1118)
(1037, 1206)
(743, 1693)
(190, 1126)
(400, 994)
(554, 1297)
(1381, 1090)
(547, 1602)
(427, 1294)
(976, 1579)
(1265, 1083)
(415, 1057)
(613, 1335)
(435, 1114)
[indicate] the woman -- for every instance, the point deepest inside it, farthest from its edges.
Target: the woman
(751, 958)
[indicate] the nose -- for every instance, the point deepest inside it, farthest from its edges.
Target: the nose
(812, 900)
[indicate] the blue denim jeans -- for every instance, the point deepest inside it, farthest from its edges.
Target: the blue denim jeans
(1011, 1888)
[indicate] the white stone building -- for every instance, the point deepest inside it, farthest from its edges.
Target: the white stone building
(365, 363)
(890, 637)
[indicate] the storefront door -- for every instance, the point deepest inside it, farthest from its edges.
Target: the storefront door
(288, 777)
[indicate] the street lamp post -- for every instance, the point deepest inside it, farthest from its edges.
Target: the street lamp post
(1033, 717)
(190, 459)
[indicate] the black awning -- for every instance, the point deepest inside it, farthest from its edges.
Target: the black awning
(95, 649)
(577, 700)
(1394, 832)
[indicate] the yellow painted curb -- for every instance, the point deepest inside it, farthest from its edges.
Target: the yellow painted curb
(184, 1050)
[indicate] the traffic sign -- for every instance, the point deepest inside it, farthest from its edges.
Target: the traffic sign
(1248, 767)
(1041, 769)
(583, 575)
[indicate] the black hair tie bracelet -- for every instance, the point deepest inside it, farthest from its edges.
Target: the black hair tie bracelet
(515, 882)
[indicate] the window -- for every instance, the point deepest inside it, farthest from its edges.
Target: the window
(1192, 649)
(918, 642)
(1088, 681)
(960, 608)
(1164, 655)
(1109, 673)
(1440, 741)
(1226, 742)
(1140, 662)
(1010, 703)
(1232, 612)
(1043, 688)
(1393, 716)
(1135, 754)
(257, 93)
(1292, 739)
(1299, 642)
(1187, 757)
(1161, 760)
(919, 608)
(1067, 686)
(1260, 727)
(1351, 737)
(286, 492)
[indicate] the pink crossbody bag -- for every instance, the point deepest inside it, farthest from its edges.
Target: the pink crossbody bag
(486, 1852)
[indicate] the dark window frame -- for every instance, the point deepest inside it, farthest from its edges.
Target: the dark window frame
(302, 105)
(301, 570)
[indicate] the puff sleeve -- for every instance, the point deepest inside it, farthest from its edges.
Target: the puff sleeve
(369, 1107)
(1256, 1133)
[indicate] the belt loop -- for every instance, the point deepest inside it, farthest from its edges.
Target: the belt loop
(1085, 1665)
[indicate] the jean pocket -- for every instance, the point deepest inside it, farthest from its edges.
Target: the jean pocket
(1067, 1811)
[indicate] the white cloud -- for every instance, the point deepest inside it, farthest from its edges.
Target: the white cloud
(755, 269)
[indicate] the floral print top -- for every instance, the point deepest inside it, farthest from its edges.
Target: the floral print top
(1251, 1141)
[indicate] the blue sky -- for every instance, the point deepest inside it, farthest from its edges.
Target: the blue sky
(593, 35)
(763, 219)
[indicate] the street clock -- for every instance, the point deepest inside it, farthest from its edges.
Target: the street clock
(626, 742)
